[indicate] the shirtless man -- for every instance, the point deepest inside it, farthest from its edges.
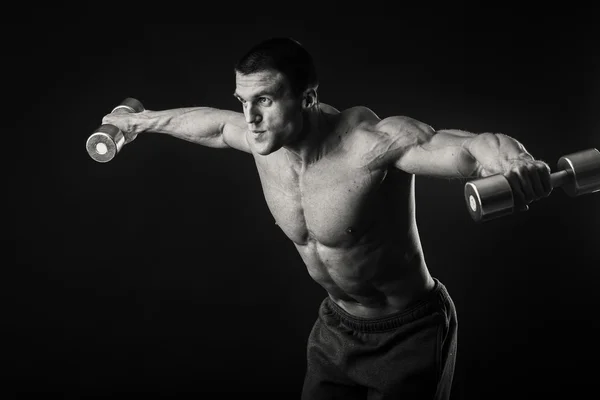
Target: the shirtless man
(340, 185)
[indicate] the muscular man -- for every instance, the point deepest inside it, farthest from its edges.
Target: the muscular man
(340, 185)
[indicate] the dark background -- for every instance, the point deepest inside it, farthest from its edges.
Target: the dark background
(162, 272)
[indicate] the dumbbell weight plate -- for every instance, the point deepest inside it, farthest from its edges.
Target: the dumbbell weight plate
(585, 168)
(105, 143)
(498, 197)
(129, 105)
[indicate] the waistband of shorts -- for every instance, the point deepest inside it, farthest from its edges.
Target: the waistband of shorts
(431, 302)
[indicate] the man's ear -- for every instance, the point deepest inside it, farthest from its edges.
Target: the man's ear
(309, 98)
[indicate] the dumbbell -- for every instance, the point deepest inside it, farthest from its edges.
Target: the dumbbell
(491, 197)
(108, 140)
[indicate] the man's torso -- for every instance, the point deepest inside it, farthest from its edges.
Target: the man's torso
(352, 220)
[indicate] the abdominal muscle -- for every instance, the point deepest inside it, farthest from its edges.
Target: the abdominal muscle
(370, 280)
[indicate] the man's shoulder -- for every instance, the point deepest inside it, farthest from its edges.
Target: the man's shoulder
(364, 118)
(356, 126)
(362, 124)
(354, 114)
(360, 117)
(365, 121)
(355, 122)
(376, 140)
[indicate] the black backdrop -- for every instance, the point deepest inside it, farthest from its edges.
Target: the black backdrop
(162, 272)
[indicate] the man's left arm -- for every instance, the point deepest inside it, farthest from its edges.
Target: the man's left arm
(419, 149)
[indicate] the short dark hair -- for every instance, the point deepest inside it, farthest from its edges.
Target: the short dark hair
(285, 55)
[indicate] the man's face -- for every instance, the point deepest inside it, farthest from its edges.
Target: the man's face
(273, 113)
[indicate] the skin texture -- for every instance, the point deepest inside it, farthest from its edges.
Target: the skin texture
(340, 184)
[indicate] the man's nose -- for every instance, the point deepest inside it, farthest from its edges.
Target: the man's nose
(252, 116)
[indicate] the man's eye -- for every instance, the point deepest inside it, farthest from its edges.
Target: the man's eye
(264, 101)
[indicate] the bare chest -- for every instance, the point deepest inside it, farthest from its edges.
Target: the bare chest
(331, 202)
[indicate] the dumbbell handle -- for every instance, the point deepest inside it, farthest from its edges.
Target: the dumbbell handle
(107, 140)
(560, 178)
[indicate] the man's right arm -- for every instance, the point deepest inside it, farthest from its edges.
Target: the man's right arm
(207, 126)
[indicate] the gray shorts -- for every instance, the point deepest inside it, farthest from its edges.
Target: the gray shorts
(408, 355)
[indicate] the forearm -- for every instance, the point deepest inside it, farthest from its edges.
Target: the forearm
(492, 152)
(201, 125)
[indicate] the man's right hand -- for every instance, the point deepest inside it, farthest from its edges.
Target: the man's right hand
(131, 124)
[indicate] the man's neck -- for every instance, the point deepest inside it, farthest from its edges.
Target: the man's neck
(311, 144)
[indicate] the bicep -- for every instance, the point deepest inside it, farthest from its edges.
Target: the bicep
(234, 132)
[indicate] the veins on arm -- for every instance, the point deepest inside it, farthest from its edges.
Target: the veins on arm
(415, 147)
